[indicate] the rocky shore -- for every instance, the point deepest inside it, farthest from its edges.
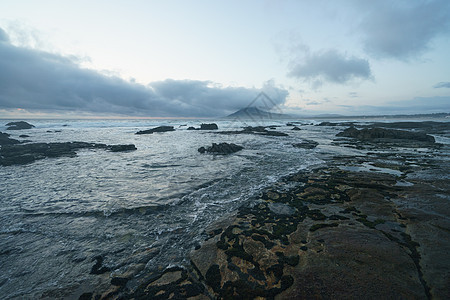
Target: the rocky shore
(370, 226)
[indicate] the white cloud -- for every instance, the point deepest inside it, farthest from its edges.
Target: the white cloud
(330, 66)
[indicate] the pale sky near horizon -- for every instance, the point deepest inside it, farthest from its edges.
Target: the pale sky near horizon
(209, 58)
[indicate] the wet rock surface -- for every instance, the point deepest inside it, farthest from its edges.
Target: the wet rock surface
(204, 126)
(6, 140)
(156, 129)
(258, 130)
(19, 154)
(222, 148)
(19, 125)
(306, 144)
(377, 134)
(368, 226)
(326, 233)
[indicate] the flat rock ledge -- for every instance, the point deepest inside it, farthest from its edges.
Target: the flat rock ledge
(20, 154)
(156, 129)
(258, 130)
(383, 135)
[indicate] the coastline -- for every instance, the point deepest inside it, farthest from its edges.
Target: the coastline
(371, 226)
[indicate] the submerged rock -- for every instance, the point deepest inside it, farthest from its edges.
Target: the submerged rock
(296, 128)
(306, 144)
(19, 125)
(222, 148)
(336, 124)
(156, 129)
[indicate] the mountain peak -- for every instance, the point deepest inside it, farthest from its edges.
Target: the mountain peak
(252, 112)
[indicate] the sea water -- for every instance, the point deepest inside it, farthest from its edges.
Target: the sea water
(57, 214)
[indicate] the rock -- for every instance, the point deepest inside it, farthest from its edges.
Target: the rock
(306, 144)
(211, 126)
(260, 130)
(336, 124)
(203, 126)
(6, 140)
(24, 136)
(121, 148)
(222, 148)
(156, 129)
(386, 135)
(295, 128)
(19, 125)
(14, 154)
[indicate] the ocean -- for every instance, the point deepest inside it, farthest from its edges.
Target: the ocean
(58, 214)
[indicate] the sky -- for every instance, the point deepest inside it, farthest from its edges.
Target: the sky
(199, 58)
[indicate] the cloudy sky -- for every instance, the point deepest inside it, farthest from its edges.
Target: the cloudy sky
(202, 58)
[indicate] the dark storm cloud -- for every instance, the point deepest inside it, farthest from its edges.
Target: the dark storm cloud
(442, 85)
(37, 80)
(402, 29)
(330, 66)
(3, 36)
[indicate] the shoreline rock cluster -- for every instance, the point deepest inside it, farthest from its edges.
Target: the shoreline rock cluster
(20, 154)
(329, 232)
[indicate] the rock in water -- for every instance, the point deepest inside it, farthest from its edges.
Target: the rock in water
(121, 148)
(211, 126)
(19, 125)
(222, 148)
(156, 129)
(306, 144)
(6, 140)
(27, 153)
(382, 134)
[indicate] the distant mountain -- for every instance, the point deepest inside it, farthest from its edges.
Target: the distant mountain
(250, 113)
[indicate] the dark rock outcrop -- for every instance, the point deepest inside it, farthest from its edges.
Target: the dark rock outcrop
(204, 126)
(336, 124)
(260, 130)
(428, 126)
(222, 148)
(6, 140)
(306, 144)
(156, 129)
(377, 134)
(122, 148)
(211, 126)
(19, 125)
(19, 154)
(296, 128)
